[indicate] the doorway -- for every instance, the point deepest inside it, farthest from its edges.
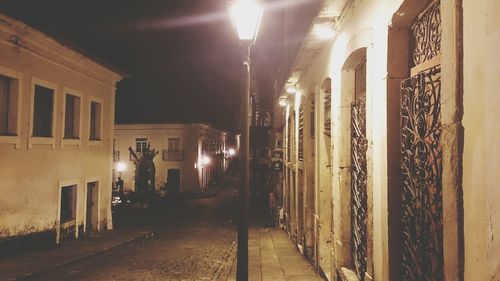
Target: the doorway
(359, 146)
(67, 215)
(174, 181)
(92, 207)
(421, 153)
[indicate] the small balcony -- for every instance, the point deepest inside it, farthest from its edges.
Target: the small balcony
(176, 155)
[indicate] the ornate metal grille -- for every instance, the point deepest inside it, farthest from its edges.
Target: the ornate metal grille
(327, 108)
(421, 168)
(427, 35)
(359, 145)
(301, 133)
(421, 162)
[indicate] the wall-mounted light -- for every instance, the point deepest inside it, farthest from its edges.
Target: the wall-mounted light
(205, 160)
(291, 90)
(324, 31)
(231, 152)
(121, 167)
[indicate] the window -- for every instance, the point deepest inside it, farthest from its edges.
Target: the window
(141, 144)
(327, 110)
(173, 151)
(43, 111)
(95, 120)
(174, 144)
(72, 117)
(8, 106)
(68, 203)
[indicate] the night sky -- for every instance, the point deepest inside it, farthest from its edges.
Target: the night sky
(182, 56)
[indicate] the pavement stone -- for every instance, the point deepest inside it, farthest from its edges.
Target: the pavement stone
(274, 257)
(28, 264)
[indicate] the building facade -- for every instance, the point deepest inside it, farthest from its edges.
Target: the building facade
(190, 156)
(56, 123)
(391, 140)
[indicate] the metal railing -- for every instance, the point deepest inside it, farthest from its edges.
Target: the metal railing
(176, 155)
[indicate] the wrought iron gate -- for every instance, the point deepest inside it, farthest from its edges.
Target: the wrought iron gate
(359, 204)
(421, 162)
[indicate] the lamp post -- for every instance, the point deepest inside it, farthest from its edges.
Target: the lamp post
(245, 16)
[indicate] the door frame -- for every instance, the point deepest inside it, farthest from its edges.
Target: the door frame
(180, 179)
(87, 181)
(61, 184)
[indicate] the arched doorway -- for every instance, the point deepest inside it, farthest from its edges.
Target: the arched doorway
(309, 168)
(354, 255)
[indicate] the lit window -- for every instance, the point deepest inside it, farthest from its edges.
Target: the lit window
(72, 117)
(43, 111)
(95, 120)
(8, 106)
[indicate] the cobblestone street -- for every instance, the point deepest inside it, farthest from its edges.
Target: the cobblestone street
(194, 240)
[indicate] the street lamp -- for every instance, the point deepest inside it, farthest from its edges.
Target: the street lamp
(245, 16)
(204, 161)
(121, 167)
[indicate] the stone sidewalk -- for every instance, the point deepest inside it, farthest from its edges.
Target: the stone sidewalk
(274, 257)
(28, 264)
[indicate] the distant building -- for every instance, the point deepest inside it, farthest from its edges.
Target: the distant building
(190, 156)
(56, 120)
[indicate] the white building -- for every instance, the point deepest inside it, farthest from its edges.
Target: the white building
(191, 156)
(391, 137)
(56, 120)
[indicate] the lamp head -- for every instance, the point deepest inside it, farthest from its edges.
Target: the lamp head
(246, 16)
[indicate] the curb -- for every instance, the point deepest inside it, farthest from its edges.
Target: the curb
(30, 275)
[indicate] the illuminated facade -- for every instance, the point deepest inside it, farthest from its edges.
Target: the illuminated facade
(391, 141)
(190, 156)
(56, 115)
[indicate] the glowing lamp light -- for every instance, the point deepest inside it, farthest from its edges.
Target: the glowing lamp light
(231, 152)
(291, 90)
(324, 31)
(282, 103)
(246, 16)
(121, 167)
(205, 160)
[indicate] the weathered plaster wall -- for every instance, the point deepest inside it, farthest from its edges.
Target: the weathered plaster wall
(481, 175)
(365, 24)
(30, 173)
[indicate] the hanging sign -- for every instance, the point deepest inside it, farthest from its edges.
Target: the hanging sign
(277, 160)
